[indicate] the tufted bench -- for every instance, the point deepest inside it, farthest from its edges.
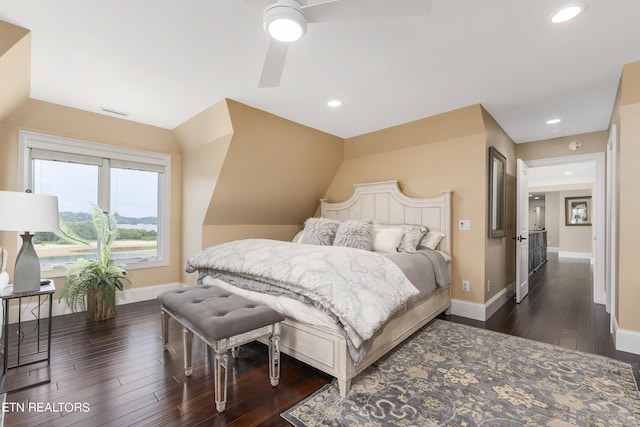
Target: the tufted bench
(223, 321)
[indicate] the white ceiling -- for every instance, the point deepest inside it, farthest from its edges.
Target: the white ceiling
(562, 174)
(164, 61)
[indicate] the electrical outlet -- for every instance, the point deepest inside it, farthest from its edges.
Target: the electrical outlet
(466, 286)
(488, 285)
(464, 224)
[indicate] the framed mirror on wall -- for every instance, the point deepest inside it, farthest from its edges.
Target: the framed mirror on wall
(497, 193)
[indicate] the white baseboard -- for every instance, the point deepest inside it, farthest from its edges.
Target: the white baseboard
(499, 300)
(128, 296)
(477, 311)
(581, 255)
(552, 249)
(626, 340)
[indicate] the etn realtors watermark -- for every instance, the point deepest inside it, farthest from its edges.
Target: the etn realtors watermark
(32, 407)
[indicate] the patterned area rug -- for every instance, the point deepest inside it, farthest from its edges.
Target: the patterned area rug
(455, 375)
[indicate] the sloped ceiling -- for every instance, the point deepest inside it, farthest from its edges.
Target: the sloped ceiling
(164, 61)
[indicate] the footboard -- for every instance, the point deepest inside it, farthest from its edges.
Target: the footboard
(326, 349)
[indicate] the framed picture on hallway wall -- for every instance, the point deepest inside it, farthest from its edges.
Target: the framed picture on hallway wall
(577, 210)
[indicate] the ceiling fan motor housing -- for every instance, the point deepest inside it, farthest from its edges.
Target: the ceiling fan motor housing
(285, 16)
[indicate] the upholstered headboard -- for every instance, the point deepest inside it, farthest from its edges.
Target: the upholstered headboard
(384, 202)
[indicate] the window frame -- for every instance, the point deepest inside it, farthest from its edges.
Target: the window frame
(76, 147)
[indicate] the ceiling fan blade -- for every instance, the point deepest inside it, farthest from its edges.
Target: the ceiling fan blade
(348, 10)
(273, 64)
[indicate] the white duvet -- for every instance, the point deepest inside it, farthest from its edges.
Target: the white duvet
(359, 289)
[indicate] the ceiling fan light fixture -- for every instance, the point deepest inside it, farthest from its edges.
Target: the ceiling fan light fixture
(284, 21)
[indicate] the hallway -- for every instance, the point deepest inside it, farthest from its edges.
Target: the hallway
(558, 310)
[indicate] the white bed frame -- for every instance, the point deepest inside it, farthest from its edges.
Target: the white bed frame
(325, 348)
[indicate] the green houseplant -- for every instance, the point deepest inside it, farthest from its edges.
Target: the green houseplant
(92, 284)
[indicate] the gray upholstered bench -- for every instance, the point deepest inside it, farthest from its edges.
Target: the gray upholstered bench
(223, 321)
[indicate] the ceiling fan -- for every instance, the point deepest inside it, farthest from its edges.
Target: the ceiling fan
(285, 21)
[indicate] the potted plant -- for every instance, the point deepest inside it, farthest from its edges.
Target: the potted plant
(91, 284)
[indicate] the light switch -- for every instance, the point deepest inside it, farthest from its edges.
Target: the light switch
(464, 224)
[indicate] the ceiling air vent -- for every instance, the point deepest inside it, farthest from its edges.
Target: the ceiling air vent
(115, 112)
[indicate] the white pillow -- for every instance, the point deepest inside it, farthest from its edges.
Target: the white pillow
(411, 237)
(432, 239)
(387, 239)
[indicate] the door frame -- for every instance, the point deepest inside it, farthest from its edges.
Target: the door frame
(598, 196)
(612, 233)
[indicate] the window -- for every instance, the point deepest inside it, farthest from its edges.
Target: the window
(131, 184)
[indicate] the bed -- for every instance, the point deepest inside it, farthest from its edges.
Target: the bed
(326, 347)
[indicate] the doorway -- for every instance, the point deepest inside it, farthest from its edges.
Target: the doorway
(596, 164)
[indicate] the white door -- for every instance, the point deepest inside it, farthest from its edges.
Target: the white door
(522, 232)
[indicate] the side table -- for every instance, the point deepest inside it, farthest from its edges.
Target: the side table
(35, 355)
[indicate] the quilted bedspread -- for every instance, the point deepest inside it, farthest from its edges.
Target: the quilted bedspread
(360, 289)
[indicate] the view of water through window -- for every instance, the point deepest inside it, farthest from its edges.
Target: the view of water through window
(133, 202)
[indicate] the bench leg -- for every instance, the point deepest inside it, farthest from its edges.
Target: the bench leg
(234, 352)
(220, 377)
(165, 330)
(187, 341)
(274, 355)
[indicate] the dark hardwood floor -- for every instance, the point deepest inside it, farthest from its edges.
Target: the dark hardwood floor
(558, 310)
(116, 374)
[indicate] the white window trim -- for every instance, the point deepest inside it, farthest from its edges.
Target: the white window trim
(29, 140)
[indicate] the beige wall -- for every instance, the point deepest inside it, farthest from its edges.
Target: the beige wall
(15, 67)
(205, 140)
(274, 172)
(250, 174)
(53, 119)
(552, 212)
(592, 142)
(573, 238)
(425, 165)
(629, 199)
(500, 252)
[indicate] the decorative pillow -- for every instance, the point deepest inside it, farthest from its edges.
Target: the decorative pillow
(355, 234)
(413, 234)
(387, 239)
(319, 231)
(432, 239)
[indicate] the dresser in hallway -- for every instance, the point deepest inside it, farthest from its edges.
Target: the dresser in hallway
(537, 249)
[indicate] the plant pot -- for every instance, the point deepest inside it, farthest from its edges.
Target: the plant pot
(95, 306)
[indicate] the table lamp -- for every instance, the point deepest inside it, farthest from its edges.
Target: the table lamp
(27, 212)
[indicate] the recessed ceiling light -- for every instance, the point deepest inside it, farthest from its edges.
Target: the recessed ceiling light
(536, 198)
(553, 121)
(567, 13)
(334, 103)
(568, 173)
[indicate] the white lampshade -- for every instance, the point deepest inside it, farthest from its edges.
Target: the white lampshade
(28, 212)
